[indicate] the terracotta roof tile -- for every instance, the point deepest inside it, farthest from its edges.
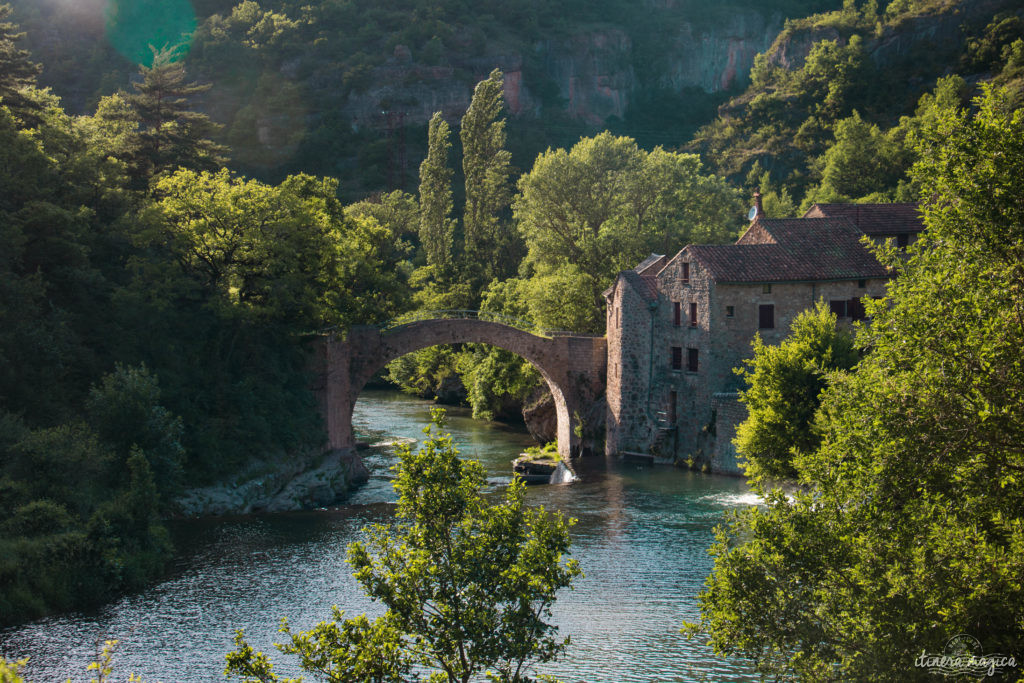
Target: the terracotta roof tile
(652, 263)
(645, 285)
(873, 219)
(803, 249)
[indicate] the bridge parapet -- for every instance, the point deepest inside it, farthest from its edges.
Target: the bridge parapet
(467, 314)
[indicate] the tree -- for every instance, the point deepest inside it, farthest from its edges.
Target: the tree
(17, 72)
(436, 226)
(468, 585)
(864, 161)
(784, 385)
(167, 133)
(602, 207)
(911, 528)
(124, 409)
(269, 251)
(485, 164)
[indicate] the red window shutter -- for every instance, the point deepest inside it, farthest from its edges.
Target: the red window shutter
(766, 316)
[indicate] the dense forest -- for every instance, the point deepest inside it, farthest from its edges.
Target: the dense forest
(337, 87)
(174, 228)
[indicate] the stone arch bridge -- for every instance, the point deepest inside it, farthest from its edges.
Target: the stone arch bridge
(572, 365)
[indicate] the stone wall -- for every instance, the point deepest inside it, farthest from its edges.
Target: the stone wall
(628, 425)
(572, 366)
(729, 413)
(641, 387)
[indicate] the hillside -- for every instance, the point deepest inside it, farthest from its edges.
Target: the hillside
(346, 88)
(858, 73)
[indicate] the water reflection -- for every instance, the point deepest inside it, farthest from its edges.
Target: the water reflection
(641, 538)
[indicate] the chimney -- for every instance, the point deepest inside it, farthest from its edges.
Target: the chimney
(757, 202)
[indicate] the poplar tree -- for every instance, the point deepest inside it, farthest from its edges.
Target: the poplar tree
(436, 226)
(485, 163)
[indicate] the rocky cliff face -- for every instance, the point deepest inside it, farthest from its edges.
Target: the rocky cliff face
(719, 58)
(938, 31)
(593, 70)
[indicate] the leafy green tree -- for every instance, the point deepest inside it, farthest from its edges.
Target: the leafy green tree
(911, 529)
(437, 228)
(397, 211)
(125, 411)
(784, 385)
(266, 250)
(863, 163)
(485, 164)
(602, 207)
(468, 585)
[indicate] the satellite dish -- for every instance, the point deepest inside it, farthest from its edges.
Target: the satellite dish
(752, 214)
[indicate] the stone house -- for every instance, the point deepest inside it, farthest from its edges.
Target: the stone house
(677, 327)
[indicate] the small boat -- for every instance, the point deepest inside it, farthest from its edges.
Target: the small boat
(533, 471)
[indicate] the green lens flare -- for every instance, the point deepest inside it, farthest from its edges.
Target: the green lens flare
(135, 27)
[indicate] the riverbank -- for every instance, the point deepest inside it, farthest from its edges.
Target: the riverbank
(641, 539)
(286, 483)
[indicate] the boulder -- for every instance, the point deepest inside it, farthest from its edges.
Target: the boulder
(540, 417)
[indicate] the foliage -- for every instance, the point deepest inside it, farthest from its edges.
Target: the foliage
(436, 225)
(125, 412)
(601, 207)
(153, 337)
(910, 530)
(485, 165)
(425, 372)
(548, 452)
(159, 130)
(264, 250)
(827, 126)
(17, 71)
(783, 390)
(468, 585)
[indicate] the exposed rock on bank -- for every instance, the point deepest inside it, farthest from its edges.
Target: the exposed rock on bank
(279, 486)
(539, 416)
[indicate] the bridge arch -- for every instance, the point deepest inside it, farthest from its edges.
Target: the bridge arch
(572, 366)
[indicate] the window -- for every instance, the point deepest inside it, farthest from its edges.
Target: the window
(766, 316)
(838, 307)
(672, 401)
(692, 356)
(862, 284)
(902, 240)
(855, 309)
(677, 313)
(677, 358)
(686, 272)
(730, 311)
(766, 289)
(693, 315)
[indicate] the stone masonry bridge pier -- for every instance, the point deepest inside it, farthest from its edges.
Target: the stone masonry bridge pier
(573, 366)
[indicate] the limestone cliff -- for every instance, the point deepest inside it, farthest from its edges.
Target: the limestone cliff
(593, 72)
(939, 29)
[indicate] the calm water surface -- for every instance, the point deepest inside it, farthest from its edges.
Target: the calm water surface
(641, 540)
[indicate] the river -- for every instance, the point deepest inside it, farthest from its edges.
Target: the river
(641, 540)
